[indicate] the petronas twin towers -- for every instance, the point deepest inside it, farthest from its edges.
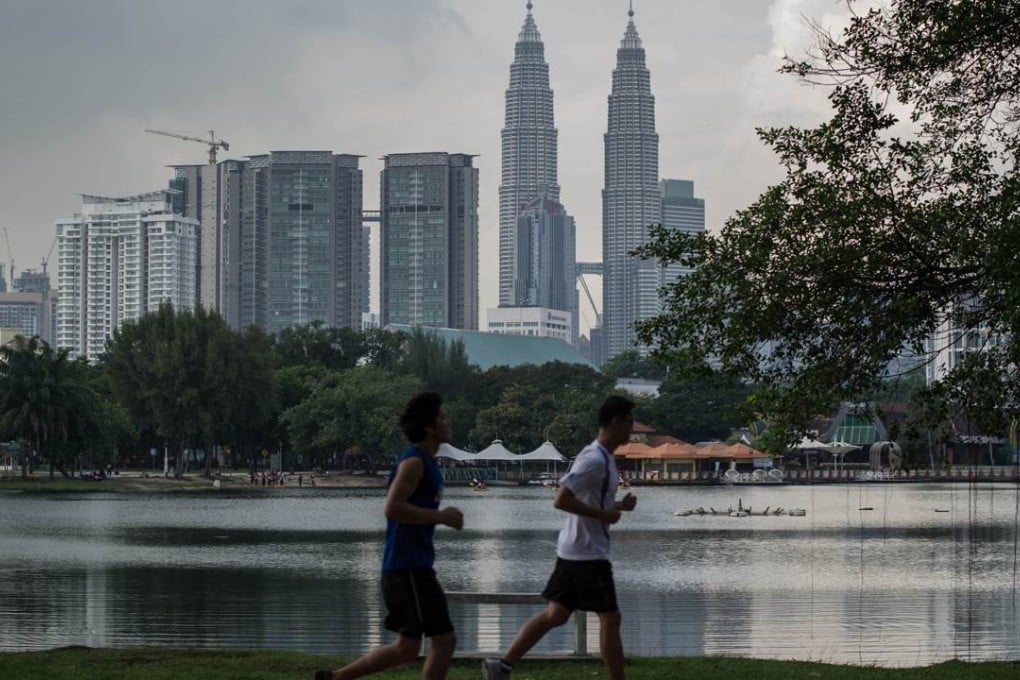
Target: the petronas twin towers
(630, 197)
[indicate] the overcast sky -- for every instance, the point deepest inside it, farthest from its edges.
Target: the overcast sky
(80, 80)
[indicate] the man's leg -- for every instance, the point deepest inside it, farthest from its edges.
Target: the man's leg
(554, 614)
(404, 650)
(610, 644)
(437, 663)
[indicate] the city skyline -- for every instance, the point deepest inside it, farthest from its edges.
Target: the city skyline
(75, 126)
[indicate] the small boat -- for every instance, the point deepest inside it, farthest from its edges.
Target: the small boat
(868, 507)
(796, 512)
(940, 510)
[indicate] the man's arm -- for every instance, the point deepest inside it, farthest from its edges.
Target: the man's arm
(568, 502)
(398, 500)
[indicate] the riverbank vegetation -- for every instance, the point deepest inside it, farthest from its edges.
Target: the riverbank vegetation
(158, 663)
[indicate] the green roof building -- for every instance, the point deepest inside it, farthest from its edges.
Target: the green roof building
(486, 350)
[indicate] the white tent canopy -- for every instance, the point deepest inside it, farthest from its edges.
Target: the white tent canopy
(807, 444)
(496, 451)
(453, 453)
(545, 452)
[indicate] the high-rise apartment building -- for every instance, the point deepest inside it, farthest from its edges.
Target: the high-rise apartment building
(289, 247)
(529, 141)
(119, 259)
(199, 198)
(429, 243)
(630, 199)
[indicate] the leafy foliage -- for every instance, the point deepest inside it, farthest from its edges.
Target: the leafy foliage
(896, 216)
(45, 399)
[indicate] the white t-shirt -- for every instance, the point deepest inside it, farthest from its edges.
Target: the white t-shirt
(586, 538)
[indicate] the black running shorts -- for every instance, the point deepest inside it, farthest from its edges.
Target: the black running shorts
(416, 603)
(585, 585)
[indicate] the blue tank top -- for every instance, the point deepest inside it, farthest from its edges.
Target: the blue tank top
(409, 546)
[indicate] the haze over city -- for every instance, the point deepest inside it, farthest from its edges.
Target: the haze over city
(82, 81)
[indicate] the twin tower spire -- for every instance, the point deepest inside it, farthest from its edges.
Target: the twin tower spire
(630, 197)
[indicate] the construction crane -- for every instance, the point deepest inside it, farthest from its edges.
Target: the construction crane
(46, 260)
(10, 256)
(212, 142)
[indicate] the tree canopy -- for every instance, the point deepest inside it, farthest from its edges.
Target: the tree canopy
(897, 219)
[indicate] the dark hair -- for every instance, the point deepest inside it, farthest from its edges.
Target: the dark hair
(614, 406)
(420, 413)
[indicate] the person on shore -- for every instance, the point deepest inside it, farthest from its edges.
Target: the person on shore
(583, 576)
(415, 602)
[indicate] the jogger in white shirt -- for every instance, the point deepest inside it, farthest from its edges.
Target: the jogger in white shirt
(583, 576)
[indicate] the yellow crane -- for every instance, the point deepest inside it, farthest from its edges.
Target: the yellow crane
(212, 141)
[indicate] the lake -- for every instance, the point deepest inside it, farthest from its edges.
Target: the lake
(898, 584)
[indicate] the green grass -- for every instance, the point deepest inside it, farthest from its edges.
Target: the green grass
(158, 663)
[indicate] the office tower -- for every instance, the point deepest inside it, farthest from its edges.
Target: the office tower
(27, 313)
(117, 260)
(681, 211)
(429, 244)
(545, 266)
(528, 146)
(630, 199)
(36, 284)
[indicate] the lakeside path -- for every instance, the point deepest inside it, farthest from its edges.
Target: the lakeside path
(161, 663)
(138, 481)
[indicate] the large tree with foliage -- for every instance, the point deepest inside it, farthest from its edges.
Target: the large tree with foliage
(188, 376)
(896, 215)
(359, 407)
(45, 400)
(315, 344)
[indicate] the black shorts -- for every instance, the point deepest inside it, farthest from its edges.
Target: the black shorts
(586, 585)
(416, 603)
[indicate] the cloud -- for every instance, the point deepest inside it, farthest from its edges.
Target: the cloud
(82, 80)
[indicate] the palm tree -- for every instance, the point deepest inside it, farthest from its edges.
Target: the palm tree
(44, 397)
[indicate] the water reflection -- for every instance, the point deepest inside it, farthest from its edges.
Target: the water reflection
(898, 584)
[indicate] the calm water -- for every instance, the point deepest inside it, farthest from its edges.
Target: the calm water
(298, 569)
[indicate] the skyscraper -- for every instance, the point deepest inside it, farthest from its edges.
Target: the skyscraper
(529, 153)
(681, 211)
(117, 260)
(630, 199)
(289, 246)
(199, 198)
(545, 267)
(429, 244)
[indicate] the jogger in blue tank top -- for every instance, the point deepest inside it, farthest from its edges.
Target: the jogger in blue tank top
(414, 599)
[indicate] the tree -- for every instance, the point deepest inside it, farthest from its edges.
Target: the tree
(357, 407)
(45, 398)
(896, 216)
(632, 364)
(441, 366)
(191, 378)
(697, 409)
(314, 344)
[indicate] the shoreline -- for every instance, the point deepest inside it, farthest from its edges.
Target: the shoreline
(145, 482)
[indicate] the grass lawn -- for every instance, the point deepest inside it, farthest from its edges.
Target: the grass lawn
(159, 663)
